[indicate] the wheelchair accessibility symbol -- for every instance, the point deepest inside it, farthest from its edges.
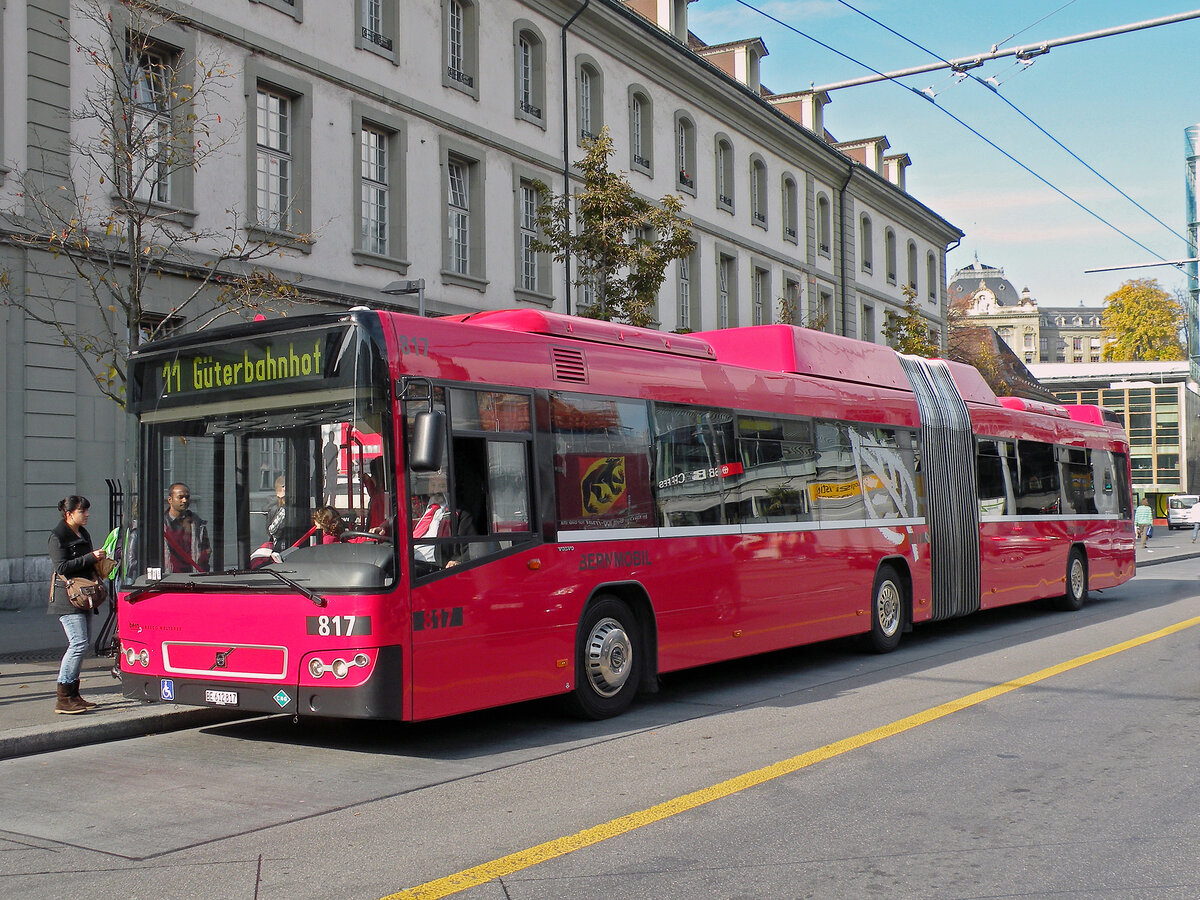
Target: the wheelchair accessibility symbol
(166, 689)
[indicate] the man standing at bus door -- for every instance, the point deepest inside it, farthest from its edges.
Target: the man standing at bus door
(185, 535)
(1142, 519)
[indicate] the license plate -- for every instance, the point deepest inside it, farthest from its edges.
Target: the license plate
(221, 698)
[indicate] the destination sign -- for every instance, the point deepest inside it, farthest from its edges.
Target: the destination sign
(267, 363)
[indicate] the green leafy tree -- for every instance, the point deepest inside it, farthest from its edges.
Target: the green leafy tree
(100, 234)
(621, 243)
(1142, 322)
(909, 332)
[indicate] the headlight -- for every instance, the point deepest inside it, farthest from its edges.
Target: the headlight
(340, 668)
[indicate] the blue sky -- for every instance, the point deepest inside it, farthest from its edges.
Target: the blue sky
(1120, 103)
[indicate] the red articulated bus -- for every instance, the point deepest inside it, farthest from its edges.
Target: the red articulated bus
(533, 504)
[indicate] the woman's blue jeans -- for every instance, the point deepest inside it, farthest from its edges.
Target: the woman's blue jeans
(75, 625)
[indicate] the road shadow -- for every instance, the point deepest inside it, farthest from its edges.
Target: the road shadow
(786, 678)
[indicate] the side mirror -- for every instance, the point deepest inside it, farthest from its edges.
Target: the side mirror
(428, 441)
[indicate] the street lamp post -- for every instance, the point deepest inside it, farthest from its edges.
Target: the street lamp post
(416, 286)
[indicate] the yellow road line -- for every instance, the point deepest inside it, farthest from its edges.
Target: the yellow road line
(523, 859)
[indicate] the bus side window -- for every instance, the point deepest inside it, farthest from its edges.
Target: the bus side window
(1038, 491)
(991, 481)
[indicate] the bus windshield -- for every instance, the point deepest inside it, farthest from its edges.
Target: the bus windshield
(272, 450)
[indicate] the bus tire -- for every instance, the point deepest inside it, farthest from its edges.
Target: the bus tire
(608, 659)
(887, 611)
(1077, 583)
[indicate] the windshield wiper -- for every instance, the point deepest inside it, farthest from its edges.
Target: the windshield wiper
(162, 586)
(143, 593)
(312, 595)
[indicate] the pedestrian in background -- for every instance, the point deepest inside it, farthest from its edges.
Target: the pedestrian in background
(1143, 517)
(1193, 516)
(71, 556)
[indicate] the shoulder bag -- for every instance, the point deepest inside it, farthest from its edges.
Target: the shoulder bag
(85, 594)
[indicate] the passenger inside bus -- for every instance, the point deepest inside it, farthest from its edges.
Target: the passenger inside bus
(186, 543)
(379, 499)
(437, 519)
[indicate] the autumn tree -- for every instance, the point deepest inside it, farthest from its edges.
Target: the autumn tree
(1142, 322)
(105, 236)
(788, 310)
(621, 243)
(909, 332)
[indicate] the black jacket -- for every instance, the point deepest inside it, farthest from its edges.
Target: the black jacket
(70, 557)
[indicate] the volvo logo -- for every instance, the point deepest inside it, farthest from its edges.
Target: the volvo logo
(221, 659)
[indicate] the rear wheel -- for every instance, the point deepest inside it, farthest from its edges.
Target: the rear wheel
(608, 659)
(887, 611)
(1077, 583)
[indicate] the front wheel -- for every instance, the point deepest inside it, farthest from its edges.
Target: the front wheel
(608, 659)
(1076, 593)
(887, 611)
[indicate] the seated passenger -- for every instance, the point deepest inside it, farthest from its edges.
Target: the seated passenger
(438, 520)
(329, 522)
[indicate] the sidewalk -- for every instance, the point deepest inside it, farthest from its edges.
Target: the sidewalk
(31, 648)
(32, 645)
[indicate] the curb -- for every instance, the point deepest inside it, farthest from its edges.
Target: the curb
(133, 722)
(1167, 559)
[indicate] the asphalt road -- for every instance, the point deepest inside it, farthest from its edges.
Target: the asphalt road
(1020, 753)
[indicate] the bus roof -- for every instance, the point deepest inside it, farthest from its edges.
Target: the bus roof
(534, 321)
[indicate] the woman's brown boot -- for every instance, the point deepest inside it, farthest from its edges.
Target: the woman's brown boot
(67, 702)
(74, 686)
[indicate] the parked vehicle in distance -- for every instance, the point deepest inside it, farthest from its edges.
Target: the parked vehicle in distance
(1177, 508)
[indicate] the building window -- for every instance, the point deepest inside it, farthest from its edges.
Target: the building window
(375, 205)
(791, 210)
(378, 22)
(931, 276)
(293, 8)
(685, 153)
(724, 167)
(866, 329)
(529, 267)
(793, 309)
(274, 161)
(463, 214)
(641, 131)
(912, 265)
(461, 44)
(866, 243)
(154, 159)
(758, 192)
(278, 136)
(824, 226)
(889, 252)
(533, 266)
(459, 202)
(147, 137)
(380, 189)
(684, 311)
(590, 100)
(726, 291)
(531, 74)
(762, 297)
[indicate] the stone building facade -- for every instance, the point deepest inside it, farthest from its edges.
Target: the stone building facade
(406, 136)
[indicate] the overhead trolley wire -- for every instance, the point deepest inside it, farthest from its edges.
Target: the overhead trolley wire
(893, 78)
(1015, 108)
